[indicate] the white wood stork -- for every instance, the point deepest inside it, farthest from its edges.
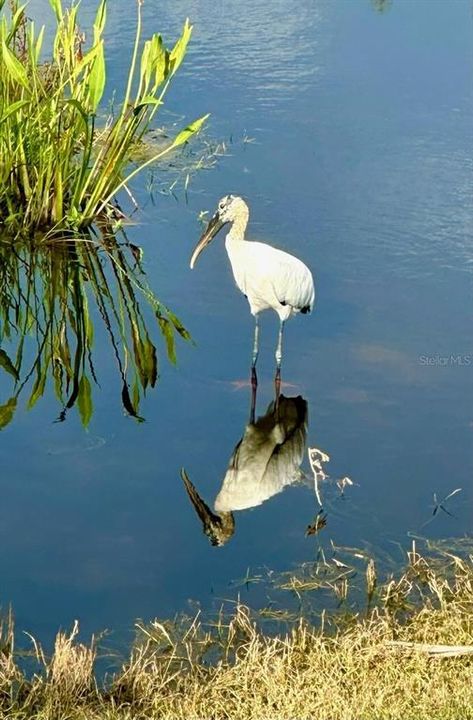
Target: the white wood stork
(264, 462)
(268, 277)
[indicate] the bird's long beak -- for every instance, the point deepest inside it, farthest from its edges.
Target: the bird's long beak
(201, 508)
(212, 229)
(213, 526)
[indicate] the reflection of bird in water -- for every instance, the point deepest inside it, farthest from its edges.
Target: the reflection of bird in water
(268, 277)
(265, 461)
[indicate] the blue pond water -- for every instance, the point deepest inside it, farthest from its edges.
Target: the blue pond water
(348, 130)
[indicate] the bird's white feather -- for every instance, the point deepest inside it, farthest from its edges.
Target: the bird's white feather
(270, 278)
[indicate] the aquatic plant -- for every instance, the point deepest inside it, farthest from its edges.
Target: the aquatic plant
(61, 166)
(49, 297)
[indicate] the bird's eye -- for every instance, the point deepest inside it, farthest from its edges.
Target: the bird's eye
(221, 206)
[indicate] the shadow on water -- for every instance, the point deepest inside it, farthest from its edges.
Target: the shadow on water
(48, 297)
(265, 461)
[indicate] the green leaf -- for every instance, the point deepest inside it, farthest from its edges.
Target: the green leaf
(97, 78)
(136, 395)
(39, 44)
(58, 373)
(179, 50)
(13, 108)
(151, 361)
(14, 66)
(189, 131)
(160, 63)
(57, 8)
(76, 104)
(168, 332)
(84, 401)
(138, 353)
(179, 327)
(147, 100)
(89, 329)
(38, 387)
(100, 20)
(7, 411)
(146, 63)
(7, 365)
(15, 22)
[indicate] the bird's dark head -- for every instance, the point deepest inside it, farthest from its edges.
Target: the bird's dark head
(219, 528)
(230, 208)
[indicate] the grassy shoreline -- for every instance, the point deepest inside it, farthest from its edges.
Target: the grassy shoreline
(383, 663)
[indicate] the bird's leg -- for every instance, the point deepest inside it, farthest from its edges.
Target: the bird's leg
(279, 348)
(254, 379)
(254, 387)
(277, 379)
(255, 343)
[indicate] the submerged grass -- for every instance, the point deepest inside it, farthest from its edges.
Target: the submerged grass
(384, 663)
(60, 168)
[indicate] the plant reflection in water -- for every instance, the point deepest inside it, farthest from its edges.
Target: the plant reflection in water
(52, 299)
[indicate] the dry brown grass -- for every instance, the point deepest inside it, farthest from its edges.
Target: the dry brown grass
(346, 669)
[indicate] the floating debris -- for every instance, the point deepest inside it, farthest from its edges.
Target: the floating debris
(440, 504)
(320, 521)
(316, 458)
(343, 483)
(339, 563)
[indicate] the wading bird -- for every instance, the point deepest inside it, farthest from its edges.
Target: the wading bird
(264, 462)
(268, 277)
